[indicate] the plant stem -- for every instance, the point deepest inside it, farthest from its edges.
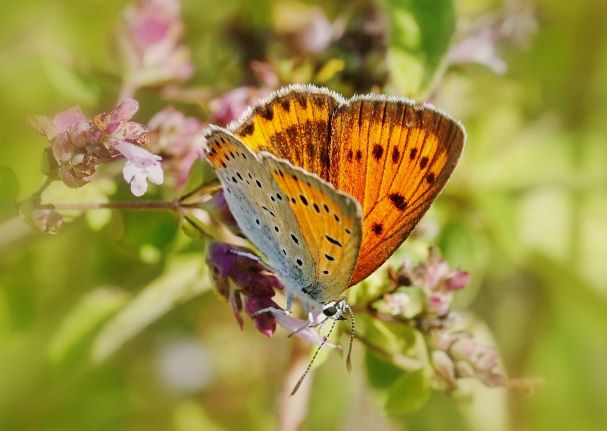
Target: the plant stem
(293, 409)
(124, 205)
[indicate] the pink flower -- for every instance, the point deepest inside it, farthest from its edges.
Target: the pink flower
(179, 139)
(308, 29)
(479, 48)
(230, 106)
(439, 303)
(150, 43)
(456, 281)
(436, 280)
(479, 43)
(46, 220)
(141, 166)
(79, 145)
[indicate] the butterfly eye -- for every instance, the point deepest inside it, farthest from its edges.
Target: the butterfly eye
(329, 311)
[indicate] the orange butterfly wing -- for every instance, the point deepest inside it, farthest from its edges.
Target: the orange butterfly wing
(293, 124)
(394, 157)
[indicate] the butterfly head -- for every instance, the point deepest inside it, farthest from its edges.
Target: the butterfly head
(335, 309)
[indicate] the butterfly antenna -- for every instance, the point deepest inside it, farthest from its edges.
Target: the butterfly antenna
(305, 373)
(348, 358)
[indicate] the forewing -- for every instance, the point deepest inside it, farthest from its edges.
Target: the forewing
(294, 124)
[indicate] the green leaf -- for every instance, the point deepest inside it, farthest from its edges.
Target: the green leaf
(419, 39)
(84, 317)
(9, 188)
(184, 278)
(408, 394)
(139, 224)
(380, 373)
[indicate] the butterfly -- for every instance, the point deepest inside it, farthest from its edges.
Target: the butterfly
(327, 188)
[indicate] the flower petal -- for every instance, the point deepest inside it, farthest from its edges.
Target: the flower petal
(155, 174)
(68, 118)
(139, 185)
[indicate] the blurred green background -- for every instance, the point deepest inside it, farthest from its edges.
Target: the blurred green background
(525, 213)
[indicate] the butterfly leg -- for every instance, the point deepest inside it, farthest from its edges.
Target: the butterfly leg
(286, 310)
(269, 310)
(289, 303)
(253, 257)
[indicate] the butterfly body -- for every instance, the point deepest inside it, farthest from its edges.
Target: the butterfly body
(328, 188)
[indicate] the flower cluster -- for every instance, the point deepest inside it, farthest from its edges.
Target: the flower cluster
(239, 276)
(423, 290)
(150, 44)
(423, 294)
(79, 146)
(179, 139)
(479, 43)
(455, 355)
(246, 283)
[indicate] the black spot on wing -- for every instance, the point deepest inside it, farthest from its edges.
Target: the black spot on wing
(395, 155)
(398, 201)
(378, 150)
(333, 241)
(247, 129)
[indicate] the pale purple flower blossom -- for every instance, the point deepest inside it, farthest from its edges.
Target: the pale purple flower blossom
(308, 29)
(436, 280)
(46, 220)
(150, 42)
(247, 284)
(479, 47)
(179, 139)
(141, 166)
(479, 43)
(230, 106)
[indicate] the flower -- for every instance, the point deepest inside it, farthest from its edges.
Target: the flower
(435, 279)
(219, 210)
(479, 47)
(141, 166)
(230, 106)
(478, 44)
(467, 357)
(79, 146)
(238, 273)
(46, 220)
(150, 43)
(247, 284)
(179, 139)
(307, 28)
(423, 293)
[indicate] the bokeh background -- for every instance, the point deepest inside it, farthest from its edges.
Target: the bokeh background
(525, 214)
